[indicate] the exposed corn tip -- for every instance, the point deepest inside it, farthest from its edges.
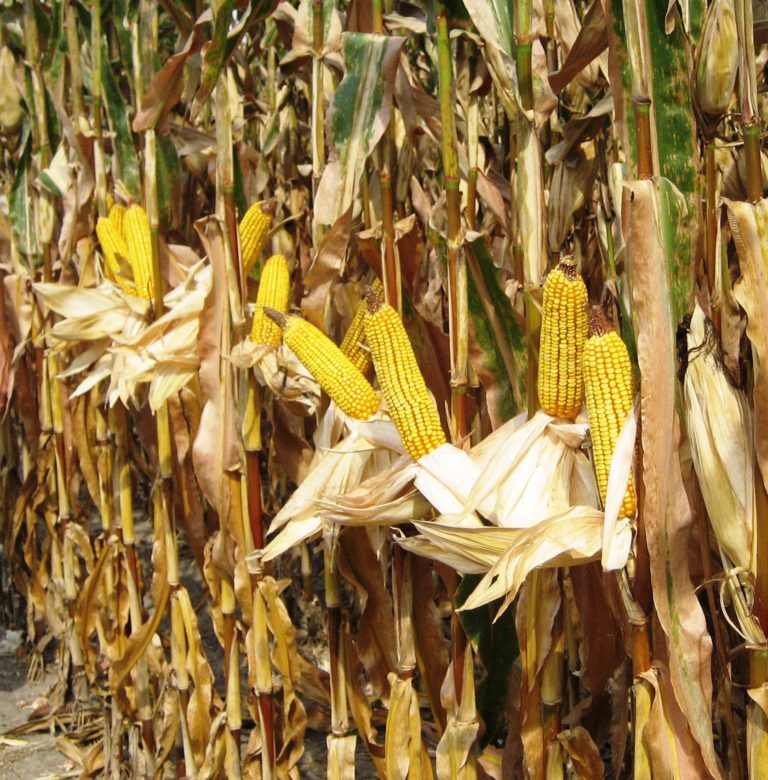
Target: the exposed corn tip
(138, 238)
(402, 385)
(115, 252)
(564, 329)
(274, 291)
(332, 369)
(353, 345)
(117, 218)
(608, 384)
(254, 229)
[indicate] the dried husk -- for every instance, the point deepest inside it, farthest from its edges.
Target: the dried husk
(717, 60)
(720, 430)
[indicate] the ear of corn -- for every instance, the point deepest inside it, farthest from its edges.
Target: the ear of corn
(402, 384)
(138, 239)
(254, 229)
(117, 217)
(115, 252)
(564, 329)
(353, 345)
(717, 59)
(329, 366)
(274, 291)
(608, 384)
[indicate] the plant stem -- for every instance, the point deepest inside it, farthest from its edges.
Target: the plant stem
(753, 163)
(318, 102)
(524, 53)
(73, 57)
(710, 215)
(457, 270)
(643, 138)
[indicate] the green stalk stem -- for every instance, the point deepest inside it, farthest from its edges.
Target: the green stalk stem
(473, 144)
(457, 271)
(643, 138)
(318, 103)
(377, 9)
(339, 705)
(753, 163)
(96, 97)
(524, 53)
(710, 216)
(391, 263)
(40, 120)
(73, 55)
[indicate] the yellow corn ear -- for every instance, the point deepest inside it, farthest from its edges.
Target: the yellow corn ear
(402, 385)
(254, 229)
(332, 369)
(564, 329)
(274, 291)
(117, 218)
(115, 252)
(353, 345)
(138, 238)
(608, 383)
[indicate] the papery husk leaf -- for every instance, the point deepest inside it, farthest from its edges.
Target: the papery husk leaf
(445, 477)
(719, 428)
(617, 536)
(468, 547)
(749, 228)
(716, 61)
(566, 539)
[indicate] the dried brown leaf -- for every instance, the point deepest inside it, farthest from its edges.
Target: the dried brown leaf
(666, 512)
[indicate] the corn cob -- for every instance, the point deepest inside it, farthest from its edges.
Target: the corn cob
(274, 290)
(402, 385)
(564, 329)
(115, 252)
(113, 246)
(608, 384)
(254, 229)
(117, 217)
(138, 239)
(328, 365)
(353, 345)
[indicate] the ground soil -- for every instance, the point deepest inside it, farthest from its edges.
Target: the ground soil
(31, 756)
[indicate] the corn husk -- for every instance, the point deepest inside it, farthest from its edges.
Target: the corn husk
(10, 99)
(720, 429)
(717, 59)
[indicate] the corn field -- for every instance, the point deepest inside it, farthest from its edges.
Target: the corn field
(387, 375)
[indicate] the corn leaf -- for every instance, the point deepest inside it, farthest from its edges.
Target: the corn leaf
(357, 117)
